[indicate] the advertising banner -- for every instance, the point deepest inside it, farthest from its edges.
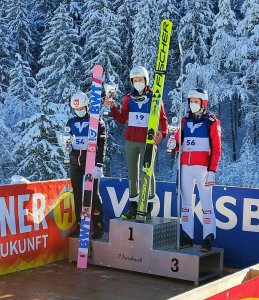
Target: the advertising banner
(236, 209)
(35, 220)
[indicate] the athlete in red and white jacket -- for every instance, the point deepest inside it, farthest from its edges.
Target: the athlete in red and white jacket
(136, 130)
(135, 112)
(200, 156)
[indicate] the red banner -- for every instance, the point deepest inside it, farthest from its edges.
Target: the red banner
(248, 290)
(35, 222)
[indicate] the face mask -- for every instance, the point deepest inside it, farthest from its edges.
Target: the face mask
(139, 86)
(195, 107)
(80, 113)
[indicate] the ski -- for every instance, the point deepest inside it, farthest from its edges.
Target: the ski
(158, 86)
(89, 167)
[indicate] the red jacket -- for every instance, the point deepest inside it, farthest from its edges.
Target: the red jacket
(201, 144)
(133, 133)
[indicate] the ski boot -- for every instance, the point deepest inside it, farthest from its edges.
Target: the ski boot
(132, 209)
(185, 241)
(97, 231)
(207, 243)
(150, 204)
(76, 232)
(149, 210)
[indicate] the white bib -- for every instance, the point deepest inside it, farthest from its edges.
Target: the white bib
(196, 144)
(138, 119)
(80, 142)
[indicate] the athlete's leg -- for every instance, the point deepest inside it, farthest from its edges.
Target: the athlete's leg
(187, 188)
(205, 193)
(132, 158)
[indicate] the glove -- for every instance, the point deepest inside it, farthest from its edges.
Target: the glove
(98, 172)
(210, 178)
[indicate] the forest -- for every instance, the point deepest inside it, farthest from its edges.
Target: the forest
(48, 49)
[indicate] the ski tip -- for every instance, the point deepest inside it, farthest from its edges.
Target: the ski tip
(167, 21)
(98, 68)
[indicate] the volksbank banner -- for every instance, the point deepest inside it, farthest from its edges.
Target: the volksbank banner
(237, 213)
(36, 219)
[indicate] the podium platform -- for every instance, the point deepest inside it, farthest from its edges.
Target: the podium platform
(151, 248)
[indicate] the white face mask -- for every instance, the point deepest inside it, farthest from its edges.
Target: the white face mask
(80, 113)
(195, 107)
(139, 86)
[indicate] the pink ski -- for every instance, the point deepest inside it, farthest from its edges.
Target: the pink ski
(89, 167)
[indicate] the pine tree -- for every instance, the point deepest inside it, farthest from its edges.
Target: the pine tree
(20, 29)
(225, 86)
(7, 161)
(62, 71)
(124, 16)
(38, 145)
(5, 59)
(244, 171)
(101, 40)
(20, 96)
(248, 50)
(19, 104)
(41, 13)
(194, 35)
(146, 26)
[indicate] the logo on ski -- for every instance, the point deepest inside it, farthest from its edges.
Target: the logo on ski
(91, 147)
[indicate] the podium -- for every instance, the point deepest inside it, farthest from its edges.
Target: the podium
(151, 248)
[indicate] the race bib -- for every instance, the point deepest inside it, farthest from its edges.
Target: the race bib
(80, 142)
(196, 144)
(138, 119)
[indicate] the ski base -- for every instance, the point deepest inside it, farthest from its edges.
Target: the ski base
(84, 240)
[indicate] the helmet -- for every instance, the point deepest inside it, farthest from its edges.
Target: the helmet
(79, 99)
(201, 94)
(139, 71)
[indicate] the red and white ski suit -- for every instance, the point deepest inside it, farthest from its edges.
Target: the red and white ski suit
(200, 153)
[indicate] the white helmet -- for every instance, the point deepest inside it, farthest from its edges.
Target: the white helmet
(139, 71)
(201, 94)
(79, 99)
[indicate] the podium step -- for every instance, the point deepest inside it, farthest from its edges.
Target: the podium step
(151, 248)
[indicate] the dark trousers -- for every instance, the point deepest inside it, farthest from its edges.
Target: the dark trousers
(77, 177)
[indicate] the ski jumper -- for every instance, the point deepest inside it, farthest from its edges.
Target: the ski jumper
(79, 129)
(136, 114)
(200, 153)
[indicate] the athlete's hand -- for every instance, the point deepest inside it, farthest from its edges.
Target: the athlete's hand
(210, 178)
(109, 102)
(98, 172)
(158, 138)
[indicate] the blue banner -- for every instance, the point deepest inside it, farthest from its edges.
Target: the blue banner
(237, 213)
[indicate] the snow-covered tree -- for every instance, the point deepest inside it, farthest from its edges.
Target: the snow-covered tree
(5, 59)
(37, 143)
(225, 86)
(244, 171)
(20, 29)
(20, 97)
(124, 15)
(62, 69)
(75, 9)
(248, 50)
(41, 12)
(146, 25)
(101, 39)
(7, 161)
(195, 36)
